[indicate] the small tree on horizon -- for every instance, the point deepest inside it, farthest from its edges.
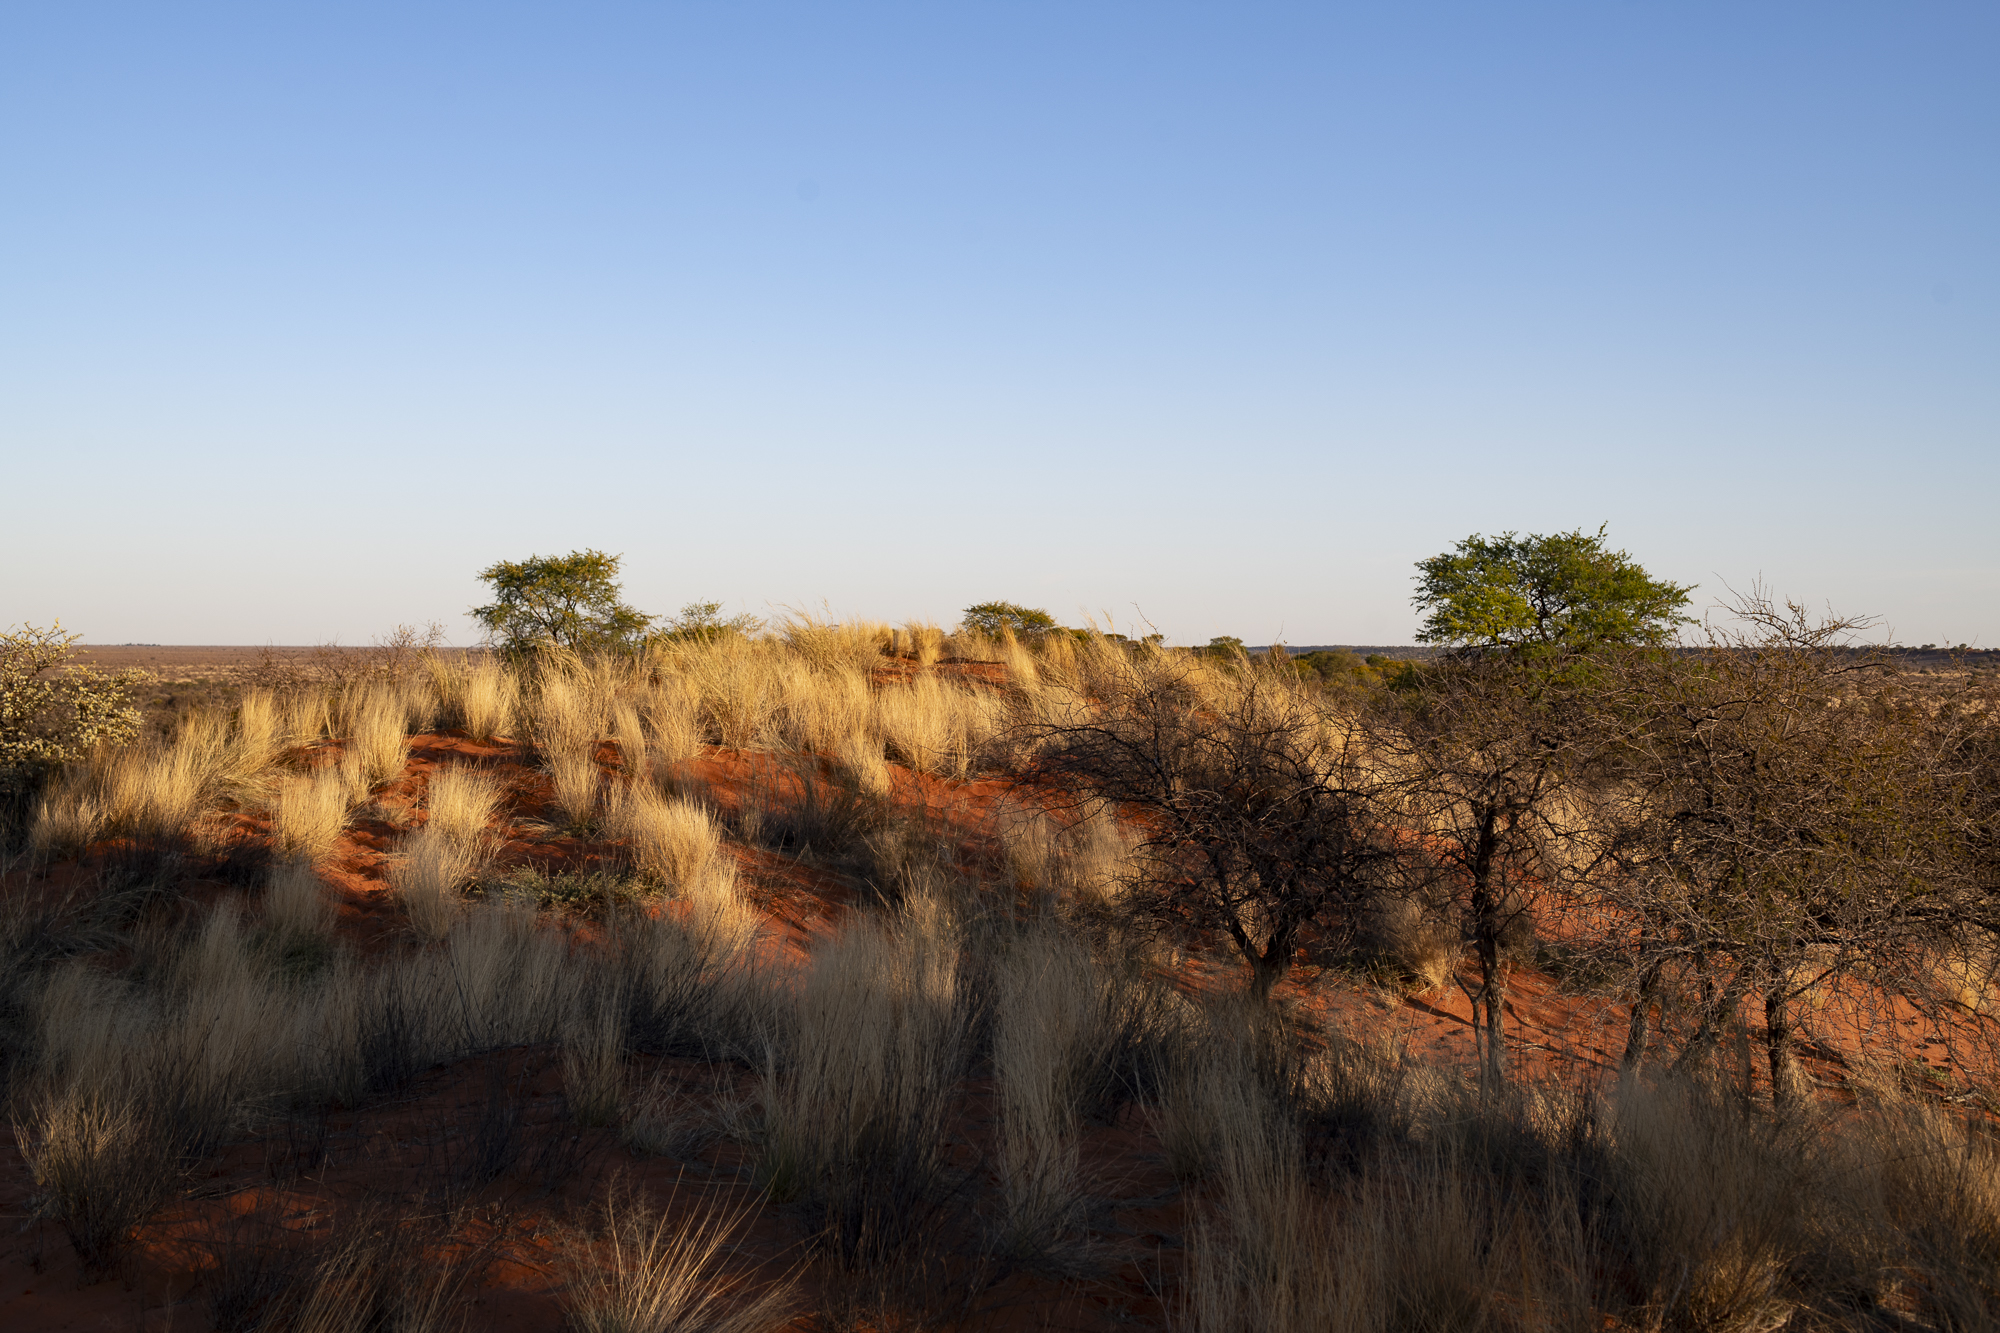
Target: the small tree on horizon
(1535, 596)
(560, 601)
(992, 619)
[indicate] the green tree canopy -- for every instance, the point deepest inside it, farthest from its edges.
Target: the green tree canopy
(564, 601)
(1536, 595)
(990, 618)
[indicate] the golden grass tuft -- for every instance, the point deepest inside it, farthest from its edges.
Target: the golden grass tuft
(657, 1275)
(310, 812)
(378, 744)
(672, 839)
(462, 802)
(426, 878)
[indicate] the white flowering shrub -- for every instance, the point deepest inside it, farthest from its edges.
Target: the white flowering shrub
(52, 713)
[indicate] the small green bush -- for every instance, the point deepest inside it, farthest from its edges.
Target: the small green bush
(52, 713)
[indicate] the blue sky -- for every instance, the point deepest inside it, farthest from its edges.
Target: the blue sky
(1220, 314)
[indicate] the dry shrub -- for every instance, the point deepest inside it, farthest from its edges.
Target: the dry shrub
(426, 879)
(654, 1273)
(310, 813)
(103, 1165)
(297, 903)
(673, 839)
(462, 802)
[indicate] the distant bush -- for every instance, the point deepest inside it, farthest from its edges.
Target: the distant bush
(703, 622)
(52, 713)
(991, 618)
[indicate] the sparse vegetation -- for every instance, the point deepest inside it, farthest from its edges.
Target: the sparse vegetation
(1074, 985)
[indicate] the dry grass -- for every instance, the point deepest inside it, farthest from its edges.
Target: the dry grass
(593, 1062)
(102, 1168)
(485, 698)
(671, 839)
(430, 870)
(378, 743)
(860, 1078)
(937, 727)
(1047, 999)
(635, 758)
(654, 1272)
(298, 905)
(310, 813)
(462, 802)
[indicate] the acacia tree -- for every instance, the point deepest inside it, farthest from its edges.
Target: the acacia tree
(1792, 816)
(1494, 737)
(1260, 818)
(561, 601)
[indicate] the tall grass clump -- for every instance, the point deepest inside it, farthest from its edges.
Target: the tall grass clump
(430, 870)
(462, 803)
(860, 1078)
(1047, 1001)
(936, 727)
(377, 741)
(671, 839)
(298, 906)
(309, 813)
(485, 697)
(103, 1165)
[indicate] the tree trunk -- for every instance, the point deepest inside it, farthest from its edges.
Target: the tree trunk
(1778, 1050)
(1488, 1021)
(1714, 1018)
(1639, 1032)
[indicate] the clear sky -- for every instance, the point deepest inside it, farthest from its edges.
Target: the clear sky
(1228, 313)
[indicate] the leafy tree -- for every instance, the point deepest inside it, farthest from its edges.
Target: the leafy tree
(1498, 736)
(52, 713)
(992, 618)
(1533, 596)
(1224, 645)
(562, 601)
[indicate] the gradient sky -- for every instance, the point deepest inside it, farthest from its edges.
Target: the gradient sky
(1228, 313)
